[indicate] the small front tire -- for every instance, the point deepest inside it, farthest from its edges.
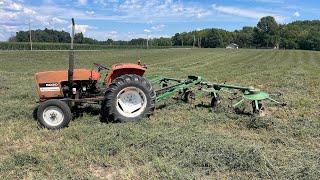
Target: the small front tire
(54, 114)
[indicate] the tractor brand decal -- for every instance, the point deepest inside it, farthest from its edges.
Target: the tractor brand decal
(49, 87)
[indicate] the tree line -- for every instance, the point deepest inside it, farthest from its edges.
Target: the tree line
(54, 36)
(266, 34)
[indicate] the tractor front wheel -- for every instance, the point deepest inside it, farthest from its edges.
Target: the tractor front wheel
(54, 114)
(128, 98)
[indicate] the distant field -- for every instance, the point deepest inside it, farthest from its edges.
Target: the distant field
(179, 141)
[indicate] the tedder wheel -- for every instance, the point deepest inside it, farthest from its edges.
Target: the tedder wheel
(54, 114)
(258, 111)
(215, 101)
(128, 98)
(188, 97)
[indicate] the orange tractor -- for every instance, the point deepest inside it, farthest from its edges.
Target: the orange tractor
(126, 95)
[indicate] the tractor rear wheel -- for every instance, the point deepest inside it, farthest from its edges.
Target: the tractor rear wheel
(128, 98)
(54, 114)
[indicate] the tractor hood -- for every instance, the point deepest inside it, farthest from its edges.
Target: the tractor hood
(49, 82)
(62, 75)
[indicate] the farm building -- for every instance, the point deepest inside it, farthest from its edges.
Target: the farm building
(232, 46)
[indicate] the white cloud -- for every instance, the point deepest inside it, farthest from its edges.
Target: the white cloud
(83, 28)
(82, 2)
(8, 28)
(269, 1)
(90, 13)
(56, 20)
(14, 6)
(296, 14)
(112, 35)
(160, 10)
(159, 27)
(29, 11)
(147, 30)
(247, 13)
(15, 16)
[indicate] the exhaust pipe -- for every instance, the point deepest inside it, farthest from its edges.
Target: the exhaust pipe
(71, 57)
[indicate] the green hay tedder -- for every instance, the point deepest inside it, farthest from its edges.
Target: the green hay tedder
(195, 86)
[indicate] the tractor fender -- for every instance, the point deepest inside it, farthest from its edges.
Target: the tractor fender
(118, 70)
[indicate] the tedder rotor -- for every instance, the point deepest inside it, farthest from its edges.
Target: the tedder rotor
(196, 85)
(124, 94)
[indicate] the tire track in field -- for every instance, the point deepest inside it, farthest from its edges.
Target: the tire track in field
(292, 79)
(314, 63)
(175, 65)
(187, 69)
(200, 64)
(171, 61)
(232, 63)
(258, 72)
(218, 60)
(200, 72)
(311, 76)
(179, 61)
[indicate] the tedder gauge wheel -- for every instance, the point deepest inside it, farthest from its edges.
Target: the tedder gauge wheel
(189, 97)
(215, 102)
(54, 114)
(128, 98)
(260, 110)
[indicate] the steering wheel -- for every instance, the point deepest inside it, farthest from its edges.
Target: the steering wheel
(100, 66)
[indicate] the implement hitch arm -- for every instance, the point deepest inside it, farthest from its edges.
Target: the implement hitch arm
(169, 86)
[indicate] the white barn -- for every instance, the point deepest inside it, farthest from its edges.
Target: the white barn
(232, 46)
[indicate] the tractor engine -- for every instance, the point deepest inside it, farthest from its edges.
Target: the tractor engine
(81, 89)
(55, 84)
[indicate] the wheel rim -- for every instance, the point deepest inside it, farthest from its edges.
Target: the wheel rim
(53, 116)
(131, 102)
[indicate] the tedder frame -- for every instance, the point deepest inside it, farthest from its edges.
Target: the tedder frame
(196, 85)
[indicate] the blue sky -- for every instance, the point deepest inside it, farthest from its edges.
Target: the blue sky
(127, 19)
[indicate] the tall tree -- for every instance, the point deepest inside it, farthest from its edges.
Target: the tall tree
(266, 34)
(78, 38)
(109, 41)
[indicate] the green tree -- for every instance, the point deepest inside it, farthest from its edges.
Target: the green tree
(266, 34)
(176, 39)
(244, 37)
(213, 39)
(79, 38)
(109, 41)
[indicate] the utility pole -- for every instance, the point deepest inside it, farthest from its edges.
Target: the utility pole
(194, 41)
(30, 38)
(147, 42)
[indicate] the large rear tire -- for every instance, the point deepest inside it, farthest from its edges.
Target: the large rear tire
(54, 114)
(128, 98)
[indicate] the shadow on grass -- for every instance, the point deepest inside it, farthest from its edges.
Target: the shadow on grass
(77, 112)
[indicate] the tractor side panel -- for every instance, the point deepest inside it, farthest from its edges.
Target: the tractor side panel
(122, 69)
(49, 83)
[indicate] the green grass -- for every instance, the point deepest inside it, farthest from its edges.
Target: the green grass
(179, 141)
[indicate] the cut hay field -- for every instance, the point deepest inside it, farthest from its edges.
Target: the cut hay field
(180, 141)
